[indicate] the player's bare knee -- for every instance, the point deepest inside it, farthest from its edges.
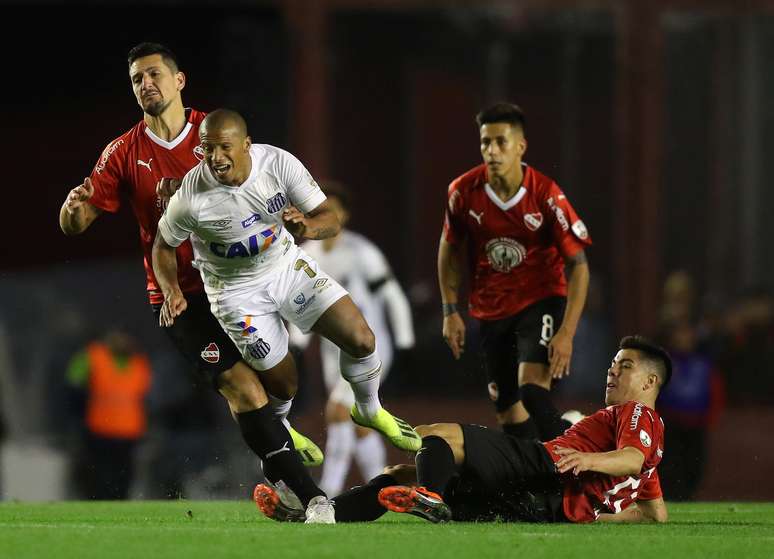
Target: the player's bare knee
(362, 342)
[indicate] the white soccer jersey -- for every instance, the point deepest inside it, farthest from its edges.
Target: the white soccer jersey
(237, 232)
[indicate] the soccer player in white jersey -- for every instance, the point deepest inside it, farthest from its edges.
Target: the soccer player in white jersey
(359, 265)
(241, 208)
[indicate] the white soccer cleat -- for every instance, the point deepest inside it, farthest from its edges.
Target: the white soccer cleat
(320, 511)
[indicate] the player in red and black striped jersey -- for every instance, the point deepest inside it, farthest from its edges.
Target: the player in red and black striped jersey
(601, 469)
(138, 164)
(515, 231)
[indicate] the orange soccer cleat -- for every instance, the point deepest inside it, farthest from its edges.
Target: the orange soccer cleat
(417, 501)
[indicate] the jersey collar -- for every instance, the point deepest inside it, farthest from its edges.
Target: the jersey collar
(174, 143)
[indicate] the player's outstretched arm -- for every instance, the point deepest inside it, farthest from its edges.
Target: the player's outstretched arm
(77, 213)
(449, 278)
(165, 269)
(642, 511)
(320, 223)
(560, 347)
(625, 461)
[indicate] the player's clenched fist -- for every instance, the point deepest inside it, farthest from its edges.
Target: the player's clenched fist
(79, 195)
(295, 221)
(166, 187)
(174, 305)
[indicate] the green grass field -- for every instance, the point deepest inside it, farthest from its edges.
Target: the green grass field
(149, 529)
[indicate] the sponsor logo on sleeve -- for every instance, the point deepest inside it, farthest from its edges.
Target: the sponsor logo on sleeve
(533, 221)
(106, 155)
(276, 203)
(645, 438)
(454, 197)
(211, 353)
(635, 419)
(579, 228)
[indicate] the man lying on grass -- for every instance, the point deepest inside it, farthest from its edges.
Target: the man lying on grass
(603, 468)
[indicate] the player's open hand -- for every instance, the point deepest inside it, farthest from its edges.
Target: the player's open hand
(559, 354)
(174, 305)
(454, 334)
(78, 196)
(572, 459)
(166, 187)
(295, 221)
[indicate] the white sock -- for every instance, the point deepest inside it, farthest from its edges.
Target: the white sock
(339, 445)
(363, 376)
(370, 455)
(280, 408)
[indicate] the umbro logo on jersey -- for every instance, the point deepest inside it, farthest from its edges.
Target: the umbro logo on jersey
(276, 203)
(142, 163)
(533, 221)
(259, 349)
(477, 217)
(211, 353)
(221, 223)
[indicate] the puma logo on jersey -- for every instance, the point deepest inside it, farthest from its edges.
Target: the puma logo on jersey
(475, 216)
(142, 163)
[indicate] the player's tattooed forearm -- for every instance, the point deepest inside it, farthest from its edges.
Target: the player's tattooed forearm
(320, 233)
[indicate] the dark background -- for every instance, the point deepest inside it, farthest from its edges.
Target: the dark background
(653, 119)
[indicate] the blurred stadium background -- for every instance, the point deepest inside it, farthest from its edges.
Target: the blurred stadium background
(653, 117)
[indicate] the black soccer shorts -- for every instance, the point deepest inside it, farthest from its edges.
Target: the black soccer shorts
(505, 478)
(521, 338)
(200, 338)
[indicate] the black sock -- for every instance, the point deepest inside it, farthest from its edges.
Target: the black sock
(538, 402)
(524, 430)
(361, 503)
(271, 441)
(435, 464)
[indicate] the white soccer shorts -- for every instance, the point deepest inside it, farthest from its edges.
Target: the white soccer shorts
(252, 315)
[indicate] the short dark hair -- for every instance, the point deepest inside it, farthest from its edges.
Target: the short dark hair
(502, 112)
(657, 355)
(147, 49)
(338, 190)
